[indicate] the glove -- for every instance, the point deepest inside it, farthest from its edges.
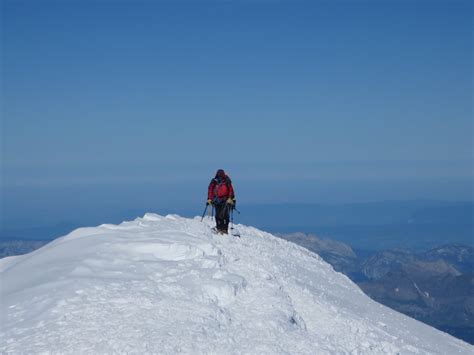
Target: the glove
(209, 202)
(230, 201)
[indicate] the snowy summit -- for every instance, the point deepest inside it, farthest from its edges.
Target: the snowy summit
(169, 285)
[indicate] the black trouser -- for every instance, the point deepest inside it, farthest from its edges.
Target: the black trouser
(222, 216)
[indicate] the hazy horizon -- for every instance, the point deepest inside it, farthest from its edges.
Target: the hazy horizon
(112, 106)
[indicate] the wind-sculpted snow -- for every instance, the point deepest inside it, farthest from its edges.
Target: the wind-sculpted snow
(168, 285)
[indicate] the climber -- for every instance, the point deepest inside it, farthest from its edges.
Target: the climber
(221, 196)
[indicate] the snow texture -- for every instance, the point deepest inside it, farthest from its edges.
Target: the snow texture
(168, 285)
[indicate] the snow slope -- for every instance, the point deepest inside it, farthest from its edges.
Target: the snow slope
(168, 285)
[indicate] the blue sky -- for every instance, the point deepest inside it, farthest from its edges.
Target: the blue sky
(139, 102)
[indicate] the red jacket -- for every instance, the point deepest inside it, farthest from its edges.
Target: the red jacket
(220, 189)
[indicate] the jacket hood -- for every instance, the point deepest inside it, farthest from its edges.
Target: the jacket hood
(221, 174)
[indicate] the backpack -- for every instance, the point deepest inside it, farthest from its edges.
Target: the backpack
(222, 188)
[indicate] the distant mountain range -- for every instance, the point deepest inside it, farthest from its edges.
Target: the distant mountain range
(434, 286)
(371, 226)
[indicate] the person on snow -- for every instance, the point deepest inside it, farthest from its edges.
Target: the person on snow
(221, 195)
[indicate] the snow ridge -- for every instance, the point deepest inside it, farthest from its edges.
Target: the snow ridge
(168, 285)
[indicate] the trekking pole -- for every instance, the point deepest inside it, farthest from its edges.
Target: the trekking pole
(204, 213)
(235, 208)
(232, 224)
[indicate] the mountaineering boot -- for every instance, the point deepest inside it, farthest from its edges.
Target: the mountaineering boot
(218, 231)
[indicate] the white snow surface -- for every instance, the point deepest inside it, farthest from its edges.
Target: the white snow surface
(169, 285)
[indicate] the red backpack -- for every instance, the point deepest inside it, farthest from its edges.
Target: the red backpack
(222, 189)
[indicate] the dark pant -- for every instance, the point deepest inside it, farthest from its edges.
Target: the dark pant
(222, 216)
